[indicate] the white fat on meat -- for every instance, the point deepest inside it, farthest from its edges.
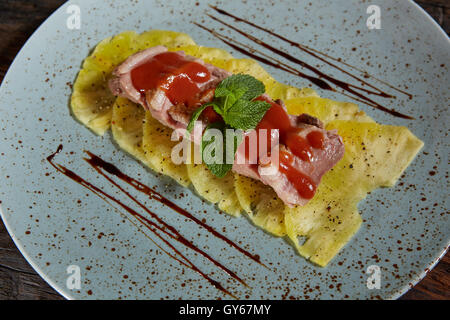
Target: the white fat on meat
(156, 101)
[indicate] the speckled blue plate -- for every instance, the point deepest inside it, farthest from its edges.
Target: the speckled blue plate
(57, 223)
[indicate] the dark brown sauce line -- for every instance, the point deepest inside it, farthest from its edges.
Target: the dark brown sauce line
(176, 235)
(320, 83)
(81, 181)
(365, 74)
(187, 262)
(275, 62)
(310, 52)
(313, 52)
(339, 83)
(153, 194)
(104, 196)
(285, 55)
(379, 92)
(278, 64)
(263, 60)
(357, 99)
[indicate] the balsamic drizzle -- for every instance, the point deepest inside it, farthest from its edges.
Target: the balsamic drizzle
(347, 87)
(154, 195)
(99, 164)
(274, 63)
(314, 52)
(238, 46)
(159, 228)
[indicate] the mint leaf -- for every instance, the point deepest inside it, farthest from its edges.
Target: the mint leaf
(240, 86)
(246, 115)
(220, 168)
(195, 115)
(233, 102)
(218, 109)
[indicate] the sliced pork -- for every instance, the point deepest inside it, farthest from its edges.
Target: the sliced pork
(165, 96)
(306, 151)
(292, 168)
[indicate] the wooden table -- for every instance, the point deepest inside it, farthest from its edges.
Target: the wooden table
(18, 20)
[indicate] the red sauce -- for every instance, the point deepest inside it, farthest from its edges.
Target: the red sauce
(277, 118)
(305, 187)
(298, 145)
(210, 115)
(174, 74)
(316, 139)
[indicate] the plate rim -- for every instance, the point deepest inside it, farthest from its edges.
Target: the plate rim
(396, 294)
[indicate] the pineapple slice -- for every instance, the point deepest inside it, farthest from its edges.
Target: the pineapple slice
(325, 109)
(375, 156)
(170, 39)
(274, 89)
(91, 101)
(222, 59)
(214, 56)
(259, 201)
(111, 52)
(127, 128)
(381, 153)
(216, 190)
(261, 204)
(157, 146)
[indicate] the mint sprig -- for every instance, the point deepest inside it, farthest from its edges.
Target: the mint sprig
(233, 101)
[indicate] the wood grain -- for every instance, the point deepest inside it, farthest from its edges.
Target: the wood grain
(18, 280)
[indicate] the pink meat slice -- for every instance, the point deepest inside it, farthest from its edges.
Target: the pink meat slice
(322, 159)
(177, 117)
(156, 101)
